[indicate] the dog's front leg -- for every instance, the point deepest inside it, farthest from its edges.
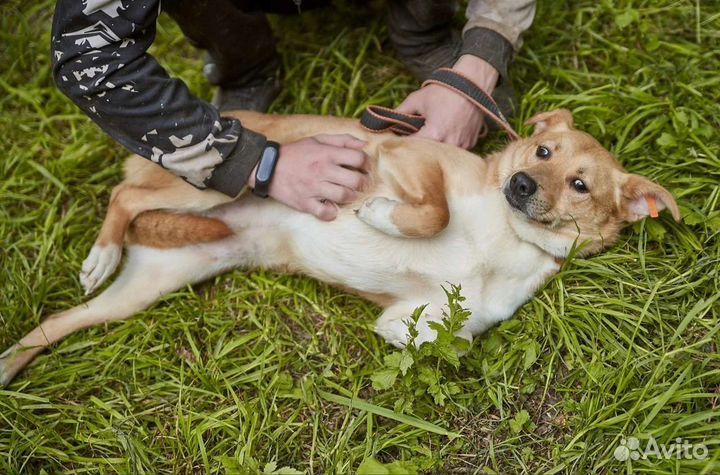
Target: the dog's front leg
(393, 324)
(421, 210)
(400, 219)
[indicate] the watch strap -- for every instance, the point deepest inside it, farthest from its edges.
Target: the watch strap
(266, 169)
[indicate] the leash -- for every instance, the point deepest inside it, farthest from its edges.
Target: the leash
(379, 119)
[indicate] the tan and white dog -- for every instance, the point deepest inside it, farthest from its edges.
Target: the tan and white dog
(433, 214)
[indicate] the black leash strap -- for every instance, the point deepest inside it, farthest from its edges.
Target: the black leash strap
(382, 119)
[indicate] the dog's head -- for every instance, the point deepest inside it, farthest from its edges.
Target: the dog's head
(563, 186)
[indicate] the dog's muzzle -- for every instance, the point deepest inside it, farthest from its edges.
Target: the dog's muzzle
(519, 190)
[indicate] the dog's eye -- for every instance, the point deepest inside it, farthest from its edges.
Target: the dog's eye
(579, 186)
(543, 152)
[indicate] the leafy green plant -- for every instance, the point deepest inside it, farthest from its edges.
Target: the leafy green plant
(253, 467)
(427, 368)
(370, 466)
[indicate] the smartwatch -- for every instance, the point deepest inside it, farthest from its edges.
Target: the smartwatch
(266, 168)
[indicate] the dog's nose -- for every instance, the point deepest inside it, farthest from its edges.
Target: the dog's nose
(522, 186)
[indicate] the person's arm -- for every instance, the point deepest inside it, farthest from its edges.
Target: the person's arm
(490, 38)
(494, 30)
(100, 62)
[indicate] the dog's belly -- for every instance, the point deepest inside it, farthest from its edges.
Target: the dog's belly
(477, 250)
(353, 254)
(345, 251)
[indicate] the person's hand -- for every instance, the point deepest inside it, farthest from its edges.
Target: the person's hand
(316, 174)
(450, 117)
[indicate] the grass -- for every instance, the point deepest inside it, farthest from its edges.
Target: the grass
(258, 371)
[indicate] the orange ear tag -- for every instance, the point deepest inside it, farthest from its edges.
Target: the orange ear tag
(651, 206)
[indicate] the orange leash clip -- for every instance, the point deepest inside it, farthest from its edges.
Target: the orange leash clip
(652, 208)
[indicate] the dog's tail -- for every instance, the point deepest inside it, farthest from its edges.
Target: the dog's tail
(149, 274)
(165, 230)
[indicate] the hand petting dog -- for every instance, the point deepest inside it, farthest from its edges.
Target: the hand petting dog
(319, 173)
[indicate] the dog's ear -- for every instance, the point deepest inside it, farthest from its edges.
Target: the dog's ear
(640, 197)
(556, 120)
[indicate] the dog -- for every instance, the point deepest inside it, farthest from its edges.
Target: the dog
(433, 214)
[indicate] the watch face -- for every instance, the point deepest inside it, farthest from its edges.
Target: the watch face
(266, 165)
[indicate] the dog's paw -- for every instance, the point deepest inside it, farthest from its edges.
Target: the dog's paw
(377, 212)
(394, 332)
(397, 333)
(99, 265)
(5, 376)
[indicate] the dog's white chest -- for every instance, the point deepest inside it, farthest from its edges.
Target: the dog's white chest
(506, 271)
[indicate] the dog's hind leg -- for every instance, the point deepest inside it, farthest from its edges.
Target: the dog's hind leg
(127, 201)
(149, 274)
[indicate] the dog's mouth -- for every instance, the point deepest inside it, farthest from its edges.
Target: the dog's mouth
(516, 204)
(528, 207)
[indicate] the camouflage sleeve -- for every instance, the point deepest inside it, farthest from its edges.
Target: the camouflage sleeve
(100, 62)
(494, 30)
